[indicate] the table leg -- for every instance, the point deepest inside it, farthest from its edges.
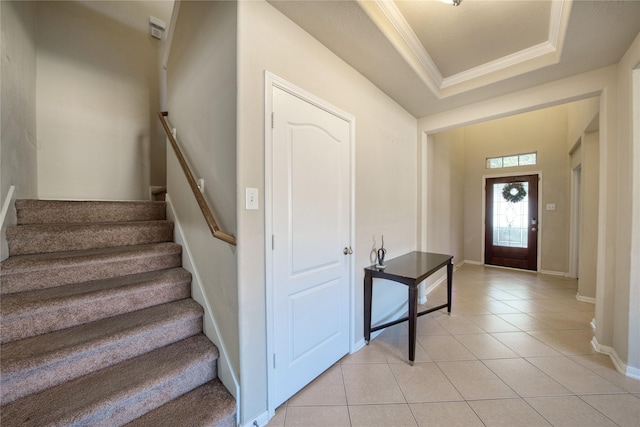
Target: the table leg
(449, 285)
(368, 290)
(413, 318)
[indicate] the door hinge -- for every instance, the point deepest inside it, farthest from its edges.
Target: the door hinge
(273, 242)
(274, 361)
(272, 121)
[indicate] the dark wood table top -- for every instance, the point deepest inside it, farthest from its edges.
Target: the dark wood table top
(413, 267)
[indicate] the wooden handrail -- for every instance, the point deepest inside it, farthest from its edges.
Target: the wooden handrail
(204, 207)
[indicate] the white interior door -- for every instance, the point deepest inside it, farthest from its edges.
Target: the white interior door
(310, 223)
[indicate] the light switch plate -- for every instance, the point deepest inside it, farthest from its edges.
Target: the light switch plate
(251, 203)
(551, 206)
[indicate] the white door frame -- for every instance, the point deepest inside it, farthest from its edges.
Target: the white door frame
(271, 81)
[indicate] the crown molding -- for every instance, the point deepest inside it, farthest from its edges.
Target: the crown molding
(394, 26)
(517, 58)
(405, 31)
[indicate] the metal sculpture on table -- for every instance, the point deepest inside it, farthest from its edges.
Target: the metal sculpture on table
(382, 252)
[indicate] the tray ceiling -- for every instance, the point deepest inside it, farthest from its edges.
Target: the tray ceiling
(431, 56)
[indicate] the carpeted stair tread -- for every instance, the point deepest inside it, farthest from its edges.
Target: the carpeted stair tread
(39, 271)
(44, 238)
(26, 314)
(120, 393)
(31, 211)
(98, 327)
(208, 405)
(34, 364)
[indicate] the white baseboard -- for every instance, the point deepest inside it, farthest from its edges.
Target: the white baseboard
(633, 373)
(585, 299)
(8, 202)
(397, 314)
(554, 273)
(440, 280)
(7, 218)
(259, 421)
(358, 346)
(621, 367)
(549, 272)
(212, 331)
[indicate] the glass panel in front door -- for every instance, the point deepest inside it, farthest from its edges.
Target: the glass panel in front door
(510, 220)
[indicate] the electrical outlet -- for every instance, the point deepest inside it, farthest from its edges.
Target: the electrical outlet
(251, 203)
(551, 206)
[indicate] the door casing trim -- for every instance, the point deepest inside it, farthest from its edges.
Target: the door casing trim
(270, 81)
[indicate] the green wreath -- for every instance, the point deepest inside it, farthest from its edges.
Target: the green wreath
(514, 192)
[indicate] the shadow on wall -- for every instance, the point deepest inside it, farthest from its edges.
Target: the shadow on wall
(98, 91)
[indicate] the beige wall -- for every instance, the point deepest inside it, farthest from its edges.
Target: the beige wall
(97, 96)
(626, 323)
(618, 267)
(460, 218)
(446, 194)
(201, 98)
(588, 262)
(18, 153)
(580, 116)
(386, 165)
(543, 131)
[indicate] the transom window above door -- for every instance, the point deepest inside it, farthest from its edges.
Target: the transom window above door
(511, 161)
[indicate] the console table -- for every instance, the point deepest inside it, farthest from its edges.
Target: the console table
(410, 270)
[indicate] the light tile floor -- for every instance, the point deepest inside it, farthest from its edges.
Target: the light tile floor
(516, 351)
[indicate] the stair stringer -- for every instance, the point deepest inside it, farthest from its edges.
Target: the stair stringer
(7, 218)
(210, 327)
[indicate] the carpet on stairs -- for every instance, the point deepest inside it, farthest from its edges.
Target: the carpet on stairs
(98, 327)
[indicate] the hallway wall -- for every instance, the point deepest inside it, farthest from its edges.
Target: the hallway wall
(385, 172)
(18, 142)
(588, 271)
(446, 208)
(97, 99)
(201, 100)
(542, 131)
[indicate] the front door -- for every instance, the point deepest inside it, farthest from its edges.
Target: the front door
(311, 208)
(511, 222)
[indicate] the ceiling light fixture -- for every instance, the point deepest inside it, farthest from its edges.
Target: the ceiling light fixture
(457, 2)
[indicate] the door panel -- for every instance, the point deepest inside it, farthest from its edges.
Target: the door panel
(315, 192)
(311, 212)
(511, 228)
(319, 302)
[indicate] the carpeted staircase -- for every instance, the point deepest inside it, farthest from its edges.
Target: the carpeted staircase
(97, 324)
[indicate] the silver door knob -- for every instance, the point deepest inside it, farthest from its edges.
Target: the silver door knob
(347, 250)
(534, 229)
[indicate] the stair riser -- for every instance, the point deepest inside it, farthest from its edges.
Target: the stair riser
(146, 400)
(208, 405)
(75, 364)
(113, 303)
(119, 393)
(35, 239)
(86, 271)
(98, 327)
(54, 211)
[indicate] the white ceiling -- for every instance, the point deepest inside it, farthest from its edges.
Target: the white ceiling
(430, 56)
